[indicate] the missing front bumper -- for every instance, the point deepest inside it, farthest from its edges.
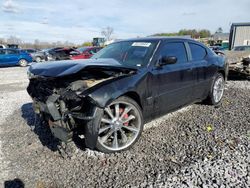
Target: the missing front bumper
(64, 124)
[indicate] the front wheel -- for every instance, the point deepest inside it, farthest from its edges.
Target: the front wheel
(120, 126)
(23, 63)
(217, 90)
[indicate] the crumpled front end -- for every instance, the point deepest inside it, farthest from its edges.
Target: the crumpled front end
(65, 102)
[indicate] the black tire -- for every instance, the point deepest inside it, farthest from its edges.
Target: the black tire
(211, 99)
(136, 111)
(23, 62)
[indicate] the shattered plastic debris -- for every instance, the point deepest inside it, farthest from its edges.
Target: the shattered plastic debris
(209, 128)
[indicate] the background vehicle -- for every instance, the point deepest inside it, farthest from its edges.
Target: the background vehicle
(15, 46)
(39, 56)
(86, 52)
(2, 46)
(29, 50)
(13, 57)
(241, 48)
(50, 52)
(61, 54)
(98, 41)
(216, 48)
(109, 97)
(238, 62)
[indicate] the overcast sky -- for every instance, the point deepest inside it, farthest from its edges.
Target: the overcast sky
(81, 20)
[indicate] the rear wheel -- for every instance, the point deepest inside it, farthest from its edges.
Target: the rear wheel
(23, 63)
(217, 90)
(120, 126)
(38, 59)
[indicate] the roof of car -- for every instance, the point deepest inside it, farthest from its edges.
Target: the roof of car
(10, 49)
(88, 47)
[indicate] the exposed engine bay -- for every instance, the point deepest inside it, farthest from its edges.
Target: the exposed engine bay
(65, 103)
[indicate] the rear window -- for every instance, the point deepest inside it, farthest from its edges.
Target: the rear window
(198, 52)
(30, 51)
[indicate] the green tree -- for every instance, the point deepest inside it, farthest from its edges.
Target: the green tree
(87, 44)
(204, 33)
(219, 30)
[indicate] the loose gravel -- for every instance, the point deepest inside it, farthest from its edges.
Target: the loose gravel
(198, 146)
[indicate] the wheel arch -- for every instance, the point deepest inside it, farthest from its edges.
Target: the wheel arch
(135, 96)
(223, 73)
(22, 58)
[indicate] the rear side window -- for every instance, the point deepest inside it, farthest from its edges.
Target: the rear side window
(30, 51)
(11, 52)
(176, 49)
(197, 51)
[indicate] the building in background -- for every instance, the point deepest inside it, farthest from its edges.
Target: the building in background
(239, 35)
(221, 36)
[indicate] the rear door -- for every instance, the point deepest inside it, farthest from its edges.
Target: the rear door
(199, 60)
(174, 83)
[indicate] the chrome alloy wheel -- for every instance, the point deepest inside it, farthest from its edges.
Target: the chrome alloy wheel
(218, 89)
(23, 63)
(120, 126)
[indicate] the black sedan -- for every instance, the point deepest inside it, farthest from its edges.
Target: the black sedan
(109, 98)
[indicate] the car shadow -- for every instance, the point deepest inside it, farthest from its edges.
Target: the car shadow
(16, 183)
(234, 76)
(41, 128)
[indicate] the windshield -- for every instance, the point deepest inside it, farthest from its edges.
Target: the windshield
(129, 53)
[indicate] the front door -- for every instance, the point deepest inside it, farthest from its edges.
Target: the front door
(174, 82)
(201, 70)
(11, 56)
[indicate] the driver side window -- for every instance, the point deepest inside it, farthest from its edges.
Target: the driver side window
(176, 49)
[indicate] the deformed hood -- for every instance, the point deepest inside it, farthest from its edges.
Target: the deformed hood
(64, 68)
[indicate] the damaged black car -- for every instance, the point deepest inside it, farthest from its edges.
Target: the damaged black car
(109, 97)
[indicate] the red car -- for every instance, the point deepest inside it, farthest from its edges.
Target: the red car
(86, 52)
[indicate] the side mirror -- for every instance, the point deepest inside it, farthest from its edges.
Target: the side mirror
(167, 60)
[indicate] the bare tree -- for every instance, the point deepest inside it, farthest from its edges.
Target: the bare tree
(14, 40)
(2, 41)
(107, 32)
(36, 44)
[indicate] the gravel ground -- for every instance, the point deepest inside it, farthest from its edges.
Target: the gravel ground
(198, 146)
